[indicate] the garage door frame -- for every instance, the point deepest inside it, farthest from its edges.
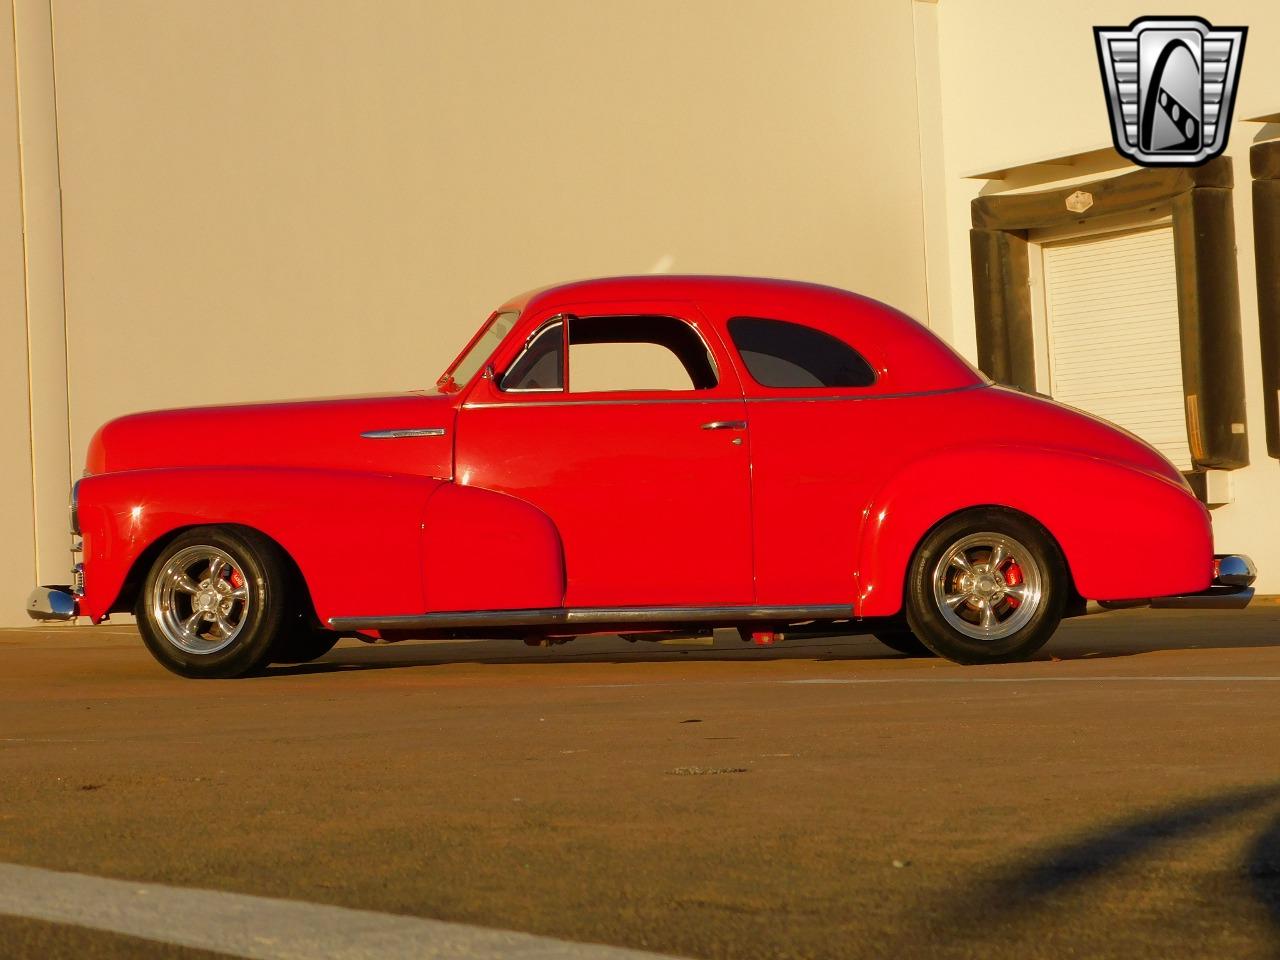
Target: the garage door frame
(1264, 164)
(1199, 201)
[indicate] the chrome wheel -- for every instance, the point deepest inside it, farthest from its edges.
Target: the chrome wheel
(200, 600)
(988, 586)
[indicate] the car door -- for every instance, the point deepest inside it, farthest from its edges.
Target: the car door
(821, 443)
(625, 424)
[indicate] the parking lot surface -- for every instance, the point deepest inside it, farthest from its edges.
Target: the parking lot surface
(1117, 797)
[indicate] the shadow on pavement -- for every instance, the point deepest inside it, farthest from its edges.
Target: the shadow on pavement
(585, 650)
(1100, 637)
(1263, 869)
(1018, 893)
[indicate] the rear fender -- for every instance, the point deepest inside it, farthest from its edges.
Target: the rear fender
(1125, 533)
(352, 535)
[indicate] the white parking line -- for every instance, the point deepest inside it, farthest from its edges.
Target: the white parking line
(261, 928)
(1172, 678)
(887, 681)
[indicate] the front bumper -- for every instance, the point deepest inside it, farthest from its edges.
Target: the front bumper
(53, 603)
(1232, 587)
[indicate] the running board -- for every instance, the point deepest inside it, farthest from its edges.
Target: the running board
(554, 616)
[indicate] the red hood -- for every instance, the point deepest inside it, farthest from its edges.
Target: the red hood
(323, 433)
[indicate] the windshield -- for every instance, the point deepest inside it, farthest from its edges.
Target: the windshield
(467, 365)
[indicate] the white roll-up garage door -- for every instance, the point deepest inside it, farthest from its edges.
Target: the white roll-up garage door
(1111, 307)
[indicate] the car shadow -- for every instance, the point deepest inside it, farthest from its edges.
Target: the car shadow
(1127, 633)
(608, 649)
(1114, 635)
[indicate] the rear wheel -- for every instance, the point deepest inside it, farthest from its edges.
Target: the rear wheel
(213, 602)
(986, 586)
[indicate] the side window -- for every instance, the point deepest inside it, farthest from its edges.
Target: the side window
(540, 366)
(792, 356)
(637, 353)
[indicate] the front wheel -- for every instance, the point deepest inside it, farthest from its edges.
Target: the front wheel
(986, 586)
(303, 644)
(213, 602)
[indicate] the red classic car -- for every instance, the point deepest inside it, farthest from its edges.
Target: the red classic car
(640, 455)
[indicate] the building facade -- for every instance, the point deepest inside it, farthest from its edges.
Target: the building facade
(265, 200)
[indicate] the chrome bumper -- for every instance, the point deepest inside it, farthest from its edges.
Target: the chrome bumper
(52, 603)
(1233, 576)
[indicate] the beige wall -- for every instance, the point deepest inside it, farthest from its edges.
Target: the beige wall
(270, 198)
(17, 533)
(273, 199)
(1021, 83)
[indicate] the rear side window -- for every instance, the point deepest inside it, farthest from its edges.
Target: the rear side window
(792, 356)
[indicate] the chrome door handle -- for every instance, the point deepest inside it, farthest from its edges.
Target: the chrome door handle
(725, 425)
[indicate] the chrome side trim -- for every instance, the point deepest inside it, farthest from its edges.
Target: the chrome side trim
(569, 401)
(692, 397)
(407, 432)
(52, 603)
(538, 617)
(460, 618)
(706, 614)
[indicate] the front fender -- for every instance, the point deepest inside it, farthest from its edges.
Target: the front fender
(352, 535)
(489, 551)
(1125, 533)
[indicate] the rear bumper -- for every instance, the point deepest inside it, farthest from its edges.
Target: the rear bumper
(53, 603)
(1232, 587)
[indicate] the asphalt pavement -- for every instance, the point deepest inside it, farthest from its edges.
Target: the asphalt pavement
(1117, 797)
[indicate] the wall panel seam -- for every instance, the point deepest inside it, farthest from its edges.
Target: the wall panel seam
(26, 284)
(62, 233)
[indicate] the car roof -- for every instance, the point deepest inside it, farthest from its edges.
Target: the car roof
(908, 355)
(683, 286)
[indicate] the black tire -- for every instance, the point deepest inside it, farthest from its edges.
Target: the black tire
(903, 641)
(993, 625)
(303, 644)
(258, 573)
